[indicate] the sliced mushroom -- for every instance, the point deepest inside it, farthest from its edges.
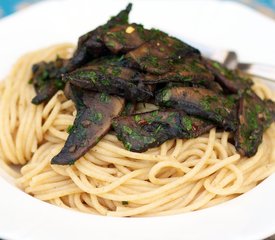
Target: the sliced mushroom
(47, 79)
(91, 44)
(125, 38)
(233, 81)
(201, 102)
(95, 112)
(129, 109)
(189, 70)
(143, 131)
(109, 78)
(254, 117)
(158, 55)
(271, 108)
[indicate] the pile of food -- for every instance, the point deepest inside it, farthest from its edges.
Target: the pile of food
(133, 122)
(119, 64)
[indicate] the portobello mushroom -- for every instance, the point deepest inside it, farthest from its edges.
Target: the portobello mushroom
(95, 112)
(47, 79)
(120, 62)
(202, 103)
(111, 79)
(91, 44)
(129, 109)
(143, 131)
(125, 38)
(158, 55)
(233, 81)
(254, 117)
(190, 71)
(271, 108)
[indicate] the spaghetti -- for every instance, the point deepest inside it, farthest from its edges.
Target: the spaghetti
(179, 176)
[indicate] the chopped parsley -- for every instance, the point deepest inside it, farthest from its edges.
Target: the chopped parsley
(70, 129)
(96, 117)
(90, 75)
(137, 118)
(187, 122)
(104, 98)
(127, 129)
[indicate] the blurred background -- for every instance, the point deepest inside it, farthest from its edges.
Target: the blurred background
(266, 7)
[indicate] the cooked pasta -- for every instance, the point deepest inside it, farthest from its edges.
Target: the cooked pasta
(179, 176)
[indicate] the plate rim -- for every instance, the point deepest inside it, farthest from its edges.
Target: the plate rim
(47, 207)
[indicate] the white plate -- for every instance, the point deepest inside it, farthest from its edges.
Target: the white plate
(215, 24)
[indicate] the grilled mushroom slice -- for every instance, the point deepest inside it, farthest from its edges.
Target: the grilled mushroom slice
(143, 131)
(158, 55)
(189, 70)
(232, 80)
(47, 79)
(254, 117)
(200, 102)
(271, 108)
(109, 79)
(91, 44)
(129, 109)
(95, 112)
(125, 38)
